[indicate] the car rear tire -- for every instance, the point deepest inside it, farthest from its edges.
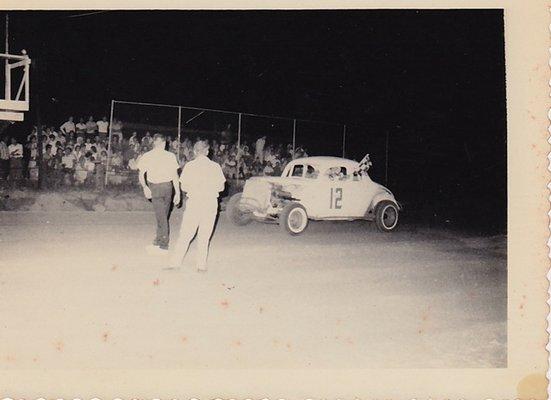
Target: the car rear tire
(235, 214)
(386, 216)
(293, 219)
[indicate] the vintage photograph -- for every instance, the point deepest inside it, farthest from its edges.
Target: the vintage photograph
(254, 189)
(350, 167)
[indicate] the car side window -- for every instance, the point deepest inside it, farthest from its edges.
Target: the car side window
(311, 172)
(337, 173)
(298, 170)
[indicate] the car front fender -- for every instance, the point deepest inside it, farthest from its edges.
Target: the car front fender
(256, 195)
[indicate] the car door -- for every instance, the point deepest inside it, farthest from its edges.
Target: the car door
(306, 188)
(345, 197)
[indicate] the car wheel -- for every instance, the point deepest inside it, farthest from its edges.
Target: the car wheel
(293, 219)
(386, 215)
(235, 214)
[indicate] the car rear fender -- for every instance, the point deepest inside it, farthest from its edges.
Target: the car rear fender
(383, 194)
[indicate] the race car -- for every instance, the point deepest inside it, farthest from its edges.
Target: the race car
(315, 188)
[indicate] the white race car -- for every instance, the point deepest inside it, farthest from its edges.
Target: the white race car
(316, 188)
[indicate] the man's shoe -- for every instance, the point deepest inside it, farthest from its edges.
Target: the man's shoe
(202, 268)
(155, 250)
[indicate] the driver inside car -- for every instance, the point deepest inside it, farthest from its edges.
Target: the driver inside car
(337, 173)
(311, 172)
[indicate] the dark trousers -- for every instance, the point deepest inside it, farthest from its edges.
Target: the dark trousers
(161, 197)
(16, 169)
(4, 169)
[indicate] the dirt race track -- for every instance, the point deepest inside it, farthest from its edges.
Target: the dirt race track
(78, 291)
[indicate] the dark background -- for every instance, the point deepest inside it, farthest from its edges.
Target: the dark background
(432, 82)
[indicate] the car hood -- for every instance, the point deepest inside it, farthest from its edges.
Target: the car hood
(254, 186)
(287, 183)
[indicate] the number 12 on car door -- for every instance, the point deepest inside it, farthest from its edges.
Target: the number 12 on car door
(335, 201)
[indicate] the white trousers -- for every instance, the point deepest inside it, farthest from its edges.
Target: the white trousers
(199, 216)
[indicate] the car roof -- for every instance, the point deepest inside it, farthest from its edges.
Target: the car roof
(325, 161)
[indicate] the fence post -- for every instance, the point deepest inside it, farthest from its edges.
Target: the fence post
(294, 136)
(239, 130)
(109, 149)
(36, 105)
(344, 141)
(179, 131)
(386, 159)
(238, 144)
(39, 155)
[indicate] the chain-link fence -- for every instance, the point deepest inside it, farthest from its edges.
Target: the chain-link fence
(131, 130)
(259, 143)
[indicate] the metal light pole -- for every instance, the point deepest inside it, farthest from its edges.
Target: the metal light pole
(294, 136)
(39, 154)
(110, 149)
(238, 142)
(239, 131)
(386, 158)
(343, 141)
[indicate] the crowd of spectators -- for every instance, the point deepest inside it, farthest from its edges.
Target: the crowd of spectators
(79, 154)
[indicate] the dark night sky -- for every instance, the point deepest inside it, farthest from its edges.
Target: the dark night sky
(433, 80)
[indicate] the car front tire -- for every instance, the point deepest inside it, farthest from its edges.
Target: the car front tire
(386, 216)
(235, 214)
(293, 219)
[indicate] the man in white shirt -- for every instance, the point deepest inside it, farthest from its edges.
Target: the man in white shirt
(91, 127)
(51, 141)
(80, 127)
(16, 160)
(202, 180)
(68, 127)
(259, 148)
(103, 127)
(116, 129)
(4, 159)
(146, 140)
(159, 177)
(133, 139)
(15, 149)
(69, 159)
